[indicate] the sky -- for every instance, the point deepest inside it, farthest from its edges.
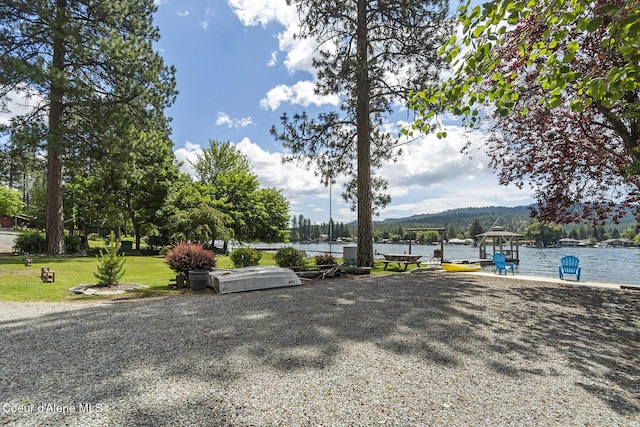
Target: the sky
(239, 68)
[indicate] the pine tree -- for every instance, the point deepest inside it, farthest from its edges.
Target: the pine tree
(92, 67)
(361, 44)
(111, 266)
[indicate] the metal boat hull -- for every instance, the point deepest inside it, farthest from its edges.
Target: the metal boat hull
(252, 278)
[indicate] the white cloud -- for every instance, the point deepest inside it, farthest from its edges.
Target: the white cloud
(299, 52)
(189, 153)
(19, 103)
(260, 12)
(299, 185)
(432, 175)
(204, 25)
(274, 59)
(183, 13)
(224, 119)
(301, 93)
(294, 180)
(429, 160)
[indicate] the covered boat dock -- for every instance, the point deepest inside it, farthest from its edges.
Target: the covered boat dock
(498, 240)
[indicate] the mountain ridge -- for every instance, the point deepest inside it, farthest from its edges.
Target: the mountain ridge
(514, 210)
(512, 218)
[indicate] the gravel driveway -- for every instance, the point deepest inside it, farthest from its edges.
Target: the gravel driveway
(402, 350)
(7, 238)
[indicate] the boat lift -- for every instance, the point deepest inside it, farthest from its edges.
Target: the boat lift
(499, 239)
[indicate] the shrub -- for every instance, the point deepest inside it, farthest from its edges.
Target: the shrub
(31, 241)
(155, 241)
(93, 236)
(244, 257)
(72, 243)
(325, 259)
(110, 267)
(189, 256)
(289, 257)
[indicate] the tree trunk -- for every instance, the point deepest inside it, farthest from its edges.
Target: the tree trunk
(363, 123)
(55, 219)
(136, 228)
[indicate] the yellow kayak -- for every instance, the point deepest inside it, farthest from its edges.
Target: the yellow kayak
(460, 267)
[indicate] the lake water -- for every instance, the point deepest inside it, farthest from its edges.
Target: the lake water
(611, 265)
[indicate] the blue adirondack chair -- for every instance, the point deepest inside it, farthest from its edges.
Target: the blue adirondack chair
(569, 265)
(502, 265)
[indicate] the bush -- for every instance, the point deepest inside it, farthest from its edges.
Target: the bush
(72, 243)
(244, 257)
(189, 256)
(289, 257)
(31, 241)
(325, 259)
(93, 236)
(36, 242)
(155, 241)
(110, 268)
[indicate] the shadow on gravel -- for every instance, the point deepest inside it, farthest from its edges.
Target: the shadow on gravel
(216, 339)
(597, 331)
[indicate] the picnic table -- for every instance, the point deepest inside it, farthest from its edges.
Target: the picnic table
(401, 259)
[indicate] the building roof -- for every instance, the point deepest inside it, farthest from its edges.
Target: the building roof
(499, 233)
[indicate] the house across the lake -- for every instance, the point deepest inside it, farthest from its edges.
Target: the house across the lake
(568, 242)
(618, 243)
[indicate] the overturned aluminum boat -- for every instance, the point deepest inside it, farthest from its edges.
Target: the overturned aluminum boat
(252, 278)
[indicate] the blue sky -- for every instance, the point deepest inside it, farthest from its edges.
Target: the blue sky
(239, 68)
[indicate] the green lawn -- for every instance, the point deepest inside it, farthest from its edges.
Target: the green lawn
(21, 283)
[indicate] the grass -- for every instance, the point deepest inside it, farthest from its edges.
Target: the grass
(22, 283)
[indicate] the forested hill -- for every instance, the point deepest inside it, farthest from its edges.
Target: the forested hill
(511, 218)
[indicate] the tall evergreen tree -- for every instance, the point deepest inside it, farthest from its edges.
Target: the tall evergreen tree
(476, 228)
(301, 223)
(371, 54)
(80, 61)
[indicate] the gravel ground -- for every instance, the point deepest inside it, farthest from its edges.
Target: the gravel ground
(7, 239)
(403, 350)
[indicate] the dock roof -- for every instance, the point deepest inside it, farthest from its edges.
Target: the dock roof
(499, 233)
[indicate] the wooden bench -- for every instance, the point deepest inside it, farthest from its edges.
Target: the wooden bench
(400, 263)
(47, 275)
(401, 260)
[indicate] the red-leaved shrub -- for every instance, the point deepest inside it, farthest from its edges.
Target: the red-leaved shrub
(189, 256)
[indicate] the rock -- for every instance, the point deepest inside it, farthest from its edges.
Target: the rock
(93, 289)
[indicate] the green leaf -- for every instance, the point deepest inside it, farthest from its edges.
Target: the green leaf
(594, 23)
(555, 101)
(478, 31)
(577, 106)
